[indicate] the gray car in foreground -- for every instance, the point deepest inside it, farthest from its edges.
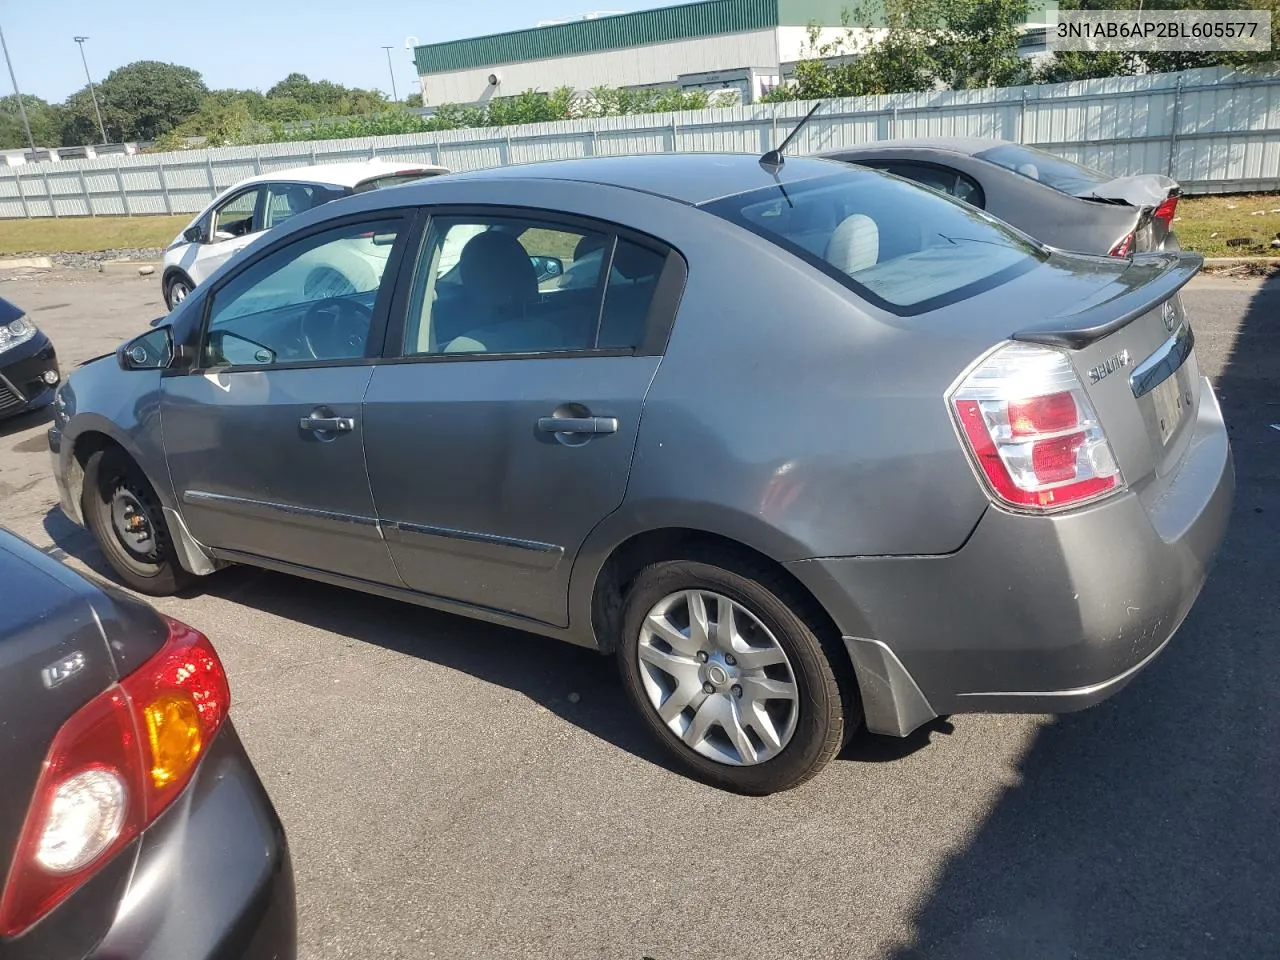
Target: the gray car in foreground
(132, 823)
(811, 447)
(1059, 202)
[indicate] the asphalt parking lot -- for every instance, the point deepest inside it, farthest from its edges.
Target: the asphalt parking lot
(453, 789)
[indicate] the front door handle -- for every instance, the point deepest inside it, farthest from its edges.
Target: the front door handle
(592, 425)
(328, 424)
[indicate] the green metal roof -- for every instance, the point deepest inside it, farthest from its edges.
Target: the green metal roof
(684, 22)
(665, 24)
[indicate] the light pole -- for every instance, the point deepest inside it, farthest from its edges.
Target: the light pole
(394, 95)
(17, 93)
(92, 92)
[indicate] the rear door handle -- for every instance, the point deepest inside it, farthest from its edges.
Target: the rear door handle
(328, 424)
(594, 425)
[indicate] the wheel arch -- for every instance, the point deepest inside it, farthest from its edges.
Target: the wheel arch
(97, 436)
(79, 448)
(618, 567)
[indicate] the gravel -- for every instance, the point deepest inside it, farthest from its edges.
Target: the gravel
(91, 260)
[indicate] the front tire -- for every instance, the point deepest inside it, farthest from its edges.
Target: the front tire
(176, 289)
(733, 672)
(124, 514)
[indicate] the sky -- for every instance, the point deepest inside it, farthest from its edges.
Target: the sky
(237, 43)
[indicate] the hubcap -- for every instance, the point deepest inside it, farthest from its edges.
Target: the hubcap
(178, 292)
(718, 678)
(132, 524)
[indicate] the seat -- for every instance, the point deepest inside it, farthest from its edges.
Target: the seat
(626, 305)
(854, 244)
(499, 284)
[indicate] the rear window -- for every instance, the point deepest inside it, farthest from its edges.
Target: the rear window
(1063, 175)
(905, 249)
(393, 180)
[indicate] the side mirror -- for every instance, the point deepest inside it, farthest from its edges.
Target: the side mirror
(151, 351)
(193, 234)
(547, 267)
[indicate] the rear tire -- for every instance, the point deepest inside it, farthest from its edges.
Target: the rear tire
(124, 514)
(779, 659)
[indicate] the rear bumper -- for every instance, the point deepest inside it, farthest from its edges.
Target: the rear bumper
(1035, 613)
(213, 878)
(22, 369)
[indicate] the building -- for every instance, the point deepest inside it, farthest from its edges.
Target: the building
(743, 45)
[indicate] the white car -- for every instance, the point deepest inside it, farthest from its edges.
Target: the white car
(242, 212)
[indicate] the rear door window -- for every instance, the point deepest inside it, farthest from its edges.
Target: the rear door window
(517, 285)
(287, 200)
(903, 249)
(1062, 175)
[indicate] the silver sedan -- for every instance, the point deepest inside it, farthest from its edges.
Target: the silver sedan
(807, 446)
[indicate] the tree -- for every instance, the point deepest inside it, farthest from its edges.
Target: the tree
(45, 119)
(140, 101)
(912, 45)
(1087, 64)
(977, 43)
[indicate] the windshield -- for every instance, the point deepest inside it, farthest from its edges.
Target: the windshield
(904, 248)
(1063, 175)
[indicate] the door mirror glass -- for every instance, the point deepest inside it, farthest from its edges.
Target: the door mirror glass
(193, 234)
(547, 267)
(151, 351)
(227, 348)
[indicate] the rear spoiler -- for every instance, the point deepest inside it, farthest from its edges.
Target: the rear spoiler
(1149, 280)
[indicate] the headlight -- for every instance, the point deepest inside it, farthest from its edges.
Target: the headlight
(19, 331)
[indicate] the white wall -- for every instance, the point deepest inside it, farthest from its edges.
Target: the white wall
(793, 42)
(656, 63)
(1215, 132)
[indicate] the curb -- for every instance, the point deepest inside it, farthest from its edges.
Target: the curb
(26, 263)
(1241, 261)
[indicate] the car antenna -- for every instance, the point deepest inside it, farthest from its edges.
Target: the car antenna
(773, 161)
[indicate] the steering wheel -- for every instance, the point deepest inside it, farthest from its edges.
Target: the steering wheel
(336, 328)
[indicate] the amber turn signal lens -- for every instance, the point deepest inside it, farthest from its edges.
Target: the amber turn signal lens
(173, 731)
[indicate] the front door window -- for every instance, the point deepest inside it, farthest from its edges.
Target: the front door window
(235, 217)
(312, 300)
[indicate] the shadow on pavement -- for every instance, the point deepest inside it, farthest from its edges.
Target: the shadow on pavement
(1149, 826)
(546, 671)
(26, 421)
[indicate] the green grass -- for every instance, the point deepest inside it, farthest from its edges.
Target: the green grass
(87, 234)
(1205, 224)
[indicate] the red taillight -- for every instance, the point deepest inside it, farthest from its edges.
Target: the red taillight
(1165, 212)
(1125, 246)
(1032, 430)
(1057, 411)
(112, 768)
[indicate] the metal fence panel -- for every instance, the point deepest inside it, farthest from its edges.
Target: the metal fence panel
(1216, 130)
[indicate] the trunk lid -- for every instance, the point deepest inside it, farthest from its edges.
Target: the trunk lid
(1134, 350)
(53, 660)
(1147, 193)
(63, 641)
